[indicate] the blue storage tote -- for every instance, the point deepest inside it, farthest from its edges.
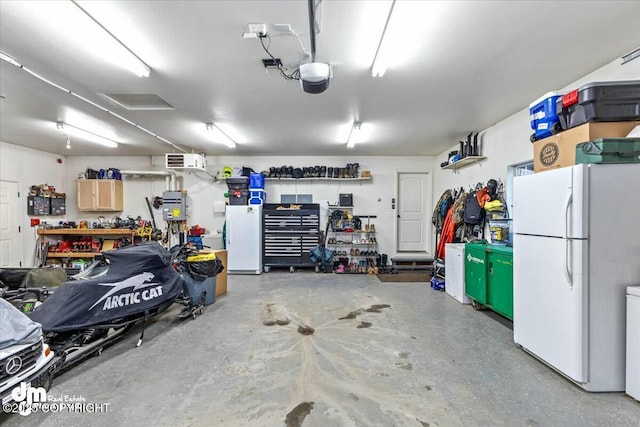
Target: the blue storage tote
(256, 181)
(544, 117)
(257, 196)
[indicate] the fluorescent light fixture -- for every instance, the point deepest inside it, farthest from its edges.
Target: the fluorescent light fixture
(354, 134)
(103, 41)
(379, 61)
(411, 29)
(226, 139)
(85, 134)
(13, 61)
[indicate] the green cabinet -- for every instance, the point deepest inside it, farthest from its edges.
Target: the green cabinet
(489, 277)
(475, 272)
(500, 280)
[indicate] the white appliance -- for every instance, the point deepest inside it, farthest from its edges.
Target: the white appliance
(185, 161)
(244, 239)
(632, 383)
(454, 272)
(575, 251)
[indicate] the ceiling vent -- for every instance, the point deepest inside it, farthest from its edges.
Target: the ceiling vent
(185, 161)
(139, 101)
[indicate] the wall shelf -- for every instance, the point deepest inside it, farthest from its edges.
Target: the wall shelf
(87, 231)
(466, 161)
(319, 179)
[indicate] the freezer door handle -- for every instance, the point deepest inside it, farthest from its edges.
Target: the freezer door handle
(566, 215)
(567, 258)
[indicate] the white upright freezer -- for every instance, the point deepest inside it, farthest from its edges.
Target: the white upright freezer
(575, 251)
(244, 239)
(454, 272)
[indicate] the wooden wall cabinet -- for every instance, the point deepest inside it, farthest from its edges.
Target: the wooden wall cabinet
(104, 195)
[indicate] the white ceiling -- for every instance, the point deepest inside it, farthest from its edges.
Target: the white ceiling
(463, 66)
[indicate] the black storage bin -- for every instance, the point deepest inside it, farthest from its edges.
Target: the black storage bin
(346, 199)
(38, 205)
(239, 183)
(58, 206)
(238, 197)
(600, 102)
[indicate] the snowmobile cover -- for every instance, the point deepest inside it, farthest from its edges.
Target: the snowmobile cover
(16, 327)
(139, 278)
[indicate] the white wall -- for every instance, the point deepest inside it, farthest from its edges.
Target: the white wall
(507, 142)
(370, 197)
(135, 189)
(30, 167)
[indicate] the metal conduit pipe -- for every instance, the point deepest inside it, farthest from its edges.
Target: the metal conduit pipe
(170, 176)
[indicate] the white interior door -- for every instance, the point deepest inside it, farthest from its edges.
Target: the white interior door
(548, 302)
(10, 231)
(413, 212)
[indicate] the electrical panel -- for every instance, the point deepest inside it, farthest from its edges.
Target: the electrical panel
(174, 206)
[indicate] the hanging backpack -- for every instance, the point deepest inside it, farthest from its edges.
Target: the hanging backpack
(473, 212)
(458, 209)
(441, 208)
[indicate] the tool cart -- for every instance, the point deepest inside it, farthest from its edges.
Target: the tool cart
(290, 232)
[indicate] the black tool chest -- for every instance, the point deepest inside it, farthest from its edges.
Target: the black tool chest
(290, 232)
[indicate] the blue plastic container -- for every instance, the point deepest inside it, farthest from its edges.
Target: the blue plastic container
(257, 196)
(544, 117)
(256, 180)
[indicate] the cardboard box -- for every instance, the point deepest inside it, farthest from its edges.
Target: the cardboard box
(558, 151)
(221, 278)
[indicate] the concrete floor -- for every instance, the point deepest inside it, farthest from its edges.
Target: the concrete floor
(424, 361)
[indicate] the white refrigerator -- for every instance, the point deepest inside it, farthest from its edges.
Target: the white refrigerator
(576, 248)
(244, 239)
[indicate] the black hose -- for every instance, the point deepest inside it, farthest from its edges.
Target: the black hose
(153, 220)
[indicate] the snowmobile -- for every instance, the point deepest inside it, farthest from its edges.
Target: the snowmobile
(80, 317)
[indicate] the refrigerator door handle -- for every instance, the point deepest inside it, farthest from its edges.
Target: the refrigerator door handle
(566, 216)
(229, 230)
(567, 258)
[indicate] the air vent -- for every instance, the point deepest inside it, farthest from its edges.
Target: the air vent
(139, 101)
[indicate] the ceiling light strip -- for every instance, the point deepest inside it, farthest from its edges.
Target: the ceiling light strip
(14, 62)
(351, 141)
(229, 142)
(138, 66)
(378, 68)
(83, 133)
